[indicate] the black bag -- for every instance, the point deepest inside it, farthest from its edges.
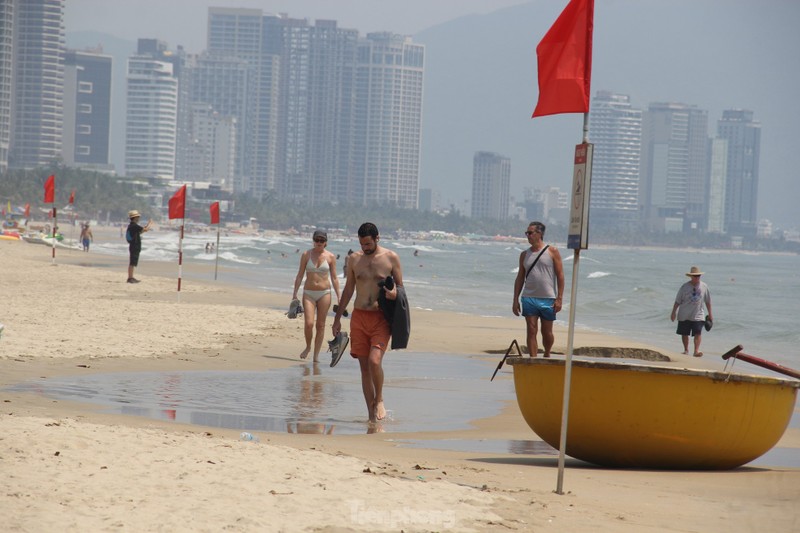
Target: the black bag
(708, 323)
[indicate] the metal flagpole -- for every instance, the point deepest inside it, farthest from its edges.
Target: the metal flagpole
(216, 261)
(55, 228)
(180, 259)
(573, 299)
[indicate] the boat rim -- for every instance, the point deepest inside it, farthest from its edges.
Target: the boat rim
(715, 375)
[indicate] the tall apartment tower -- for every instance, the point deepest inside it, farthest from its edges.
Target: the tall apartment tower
(491, 183)
(87, 109)
(152, 113)
(674, 168)
(6, 55)
(743, 135)
(236, 33)
(38, 83)
(388, 127)
(615, 128)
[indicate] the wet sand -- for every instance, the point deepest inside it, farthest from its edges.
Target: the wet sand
(69, 466)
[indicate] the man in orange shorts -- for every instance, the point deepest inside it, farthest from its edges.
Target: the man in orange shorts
(369, 331)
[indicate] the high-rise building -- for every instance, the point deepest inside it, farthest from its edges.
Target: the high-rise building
(6, 56)
(615, 129)
(152, 113)
(237, 33)
(212, 152)
(674, 168)
(38, 83)
(741, 181)
(388, 126)
(717, 174)
(87, 109)
(491, 184)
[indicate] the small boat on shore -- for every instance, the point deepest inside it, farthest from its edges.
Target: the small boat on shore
(631, 415)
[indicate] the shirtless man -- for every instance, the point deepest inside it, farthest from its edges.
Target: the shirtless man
(369, 331)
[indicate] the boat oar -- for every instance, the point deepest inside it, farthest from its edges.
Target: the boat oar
(503, 360)
(737, 353)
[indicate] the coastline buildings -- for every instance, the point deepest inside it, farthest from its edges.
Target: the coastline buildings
(37, 75)
(616, 130)
(6, 48)
(87, 109)
(673, 176)
(491, 182)
(743, 136)
(152, 113)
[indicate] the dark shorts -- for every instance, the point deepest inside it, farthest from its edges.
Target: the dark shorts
(541, 307)
(690, 327)
(368, 329)
(134, 256)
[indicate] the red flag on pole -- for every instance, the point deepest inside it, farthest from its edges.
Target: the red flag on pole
(214, 211)
(72, 197)
(177, 204)
(565, 61)
(50, 190)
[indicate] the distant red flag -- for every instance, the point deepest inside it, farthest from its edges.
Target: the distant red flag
(177, 204)
(27, 210)
(50, 190)
(565, 61)
(214, 211)
(72, 197)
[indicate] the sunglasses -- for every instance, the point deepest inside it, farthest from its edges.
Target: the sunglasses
(320, 240)
(531, 232)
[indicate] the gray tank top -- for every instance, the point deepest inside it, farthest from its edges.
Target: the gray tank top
(541, 282)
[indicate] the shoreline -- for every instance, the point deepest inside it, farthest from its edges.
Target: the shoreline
(214, 326)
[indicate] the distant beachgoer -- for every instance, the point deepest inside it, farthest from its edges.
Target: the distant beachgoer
(86, 237)
(541, 275)
(134, 238)
(346, 258)
(208, 247)
(416, 253)
(688, 309)
(369, 329)
(318, 265)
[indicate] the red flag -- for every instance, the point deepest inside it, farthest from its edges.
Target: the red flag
(214, 211)
(72, 197)
(565, 61)
(177, 204)
(27, 210)
(50, 190)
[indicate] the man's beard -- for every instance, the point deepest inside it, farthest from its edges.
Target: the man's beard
(369, 252)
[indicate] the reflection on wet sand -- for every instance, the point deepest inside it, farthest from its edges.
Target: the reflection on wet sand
(308, 406)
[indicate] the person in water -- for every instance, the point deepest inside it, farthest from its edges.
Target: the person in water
(318, 266)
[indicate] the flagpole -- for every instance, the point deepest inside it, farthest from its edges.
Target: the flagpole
(216, 262)
(180, 258)
(55, 228)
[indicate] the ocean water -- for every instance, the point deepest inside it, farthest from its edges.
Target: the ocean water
(622, 291)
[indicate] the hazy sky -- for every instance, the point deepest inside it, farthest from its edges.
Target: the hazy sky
(184, 21)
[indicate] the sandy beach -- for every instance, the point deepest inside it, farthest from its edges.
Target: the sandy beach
(68, 467)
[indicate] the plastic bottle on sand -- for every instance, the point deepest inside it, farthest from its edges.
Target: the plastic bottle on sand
(248, 437)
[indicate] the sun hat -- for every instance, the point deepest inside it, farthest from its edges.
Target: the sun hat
(320, 233)
(133, 214)
(694, 271)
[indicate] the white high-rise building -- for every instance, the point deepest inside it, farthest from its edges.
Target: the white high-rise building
(491, 185)
(38, 83)
(152, 116)
(388, 126)
(6, 47)
(615, 129)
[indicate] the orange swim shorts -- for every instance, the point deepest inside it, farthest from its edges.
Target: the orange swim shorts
(368, 329)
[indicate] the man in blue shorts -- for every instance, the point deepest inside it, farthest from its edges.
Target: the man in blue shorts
(540, 281)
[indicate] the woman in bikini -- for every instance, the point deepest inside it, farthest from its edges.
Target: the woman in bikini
(319, 268)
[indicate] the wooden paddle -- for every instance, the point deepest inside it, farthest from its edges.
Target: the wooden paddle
(503, 360)
(737, 353)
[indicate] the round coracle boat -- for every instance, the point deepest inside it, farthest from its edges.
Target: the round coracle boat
(647, 416)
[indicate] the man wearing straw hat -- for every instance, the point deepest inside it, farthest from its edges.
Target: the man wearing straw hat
(688, 309)
(134, 238)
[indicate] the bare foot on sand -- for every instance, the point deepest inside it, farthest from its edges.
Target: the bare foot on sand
(374, 427)
(380, 411)
(304, 353)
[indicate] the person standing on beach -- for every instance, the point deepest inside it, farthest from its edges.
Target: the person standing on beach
(369, 330)
(540, 282)
(688, 309)
(318, 265)
(134, 238)
(86, 236)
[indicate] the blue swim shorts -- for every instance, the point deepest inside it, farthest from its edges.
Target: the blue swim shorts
(541, 307)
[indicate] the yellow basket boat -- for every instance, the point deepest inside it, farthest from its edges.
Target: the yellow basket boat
(647, 416)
